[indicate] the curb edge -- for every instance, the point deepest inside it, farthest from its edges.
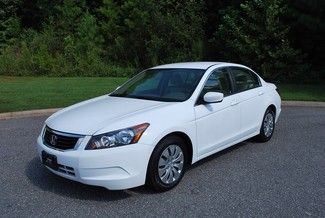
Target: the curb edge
(30, 113)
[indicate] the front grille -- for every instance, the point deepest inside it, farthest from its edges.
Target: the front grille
(62, 141)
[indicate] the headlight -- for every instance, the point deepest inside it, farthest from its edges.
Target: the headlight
(117, 138)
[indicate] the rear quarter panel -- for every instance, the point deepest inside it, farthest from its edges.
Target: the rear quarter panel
(272, 97)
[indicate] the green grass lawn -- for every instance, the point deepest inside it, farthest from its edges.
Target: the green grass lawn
(293, 92)
(26, 93)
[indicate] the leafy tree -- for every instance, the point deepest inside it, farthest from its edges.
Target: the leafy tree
(86, 37)
(146, 33)
(88, 44)
(34, 14)
(214, 11)
(307, 32)
(9, 21)
(255, 35)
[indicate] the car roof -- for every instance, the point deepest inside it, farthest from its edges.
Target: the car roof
(188, 65)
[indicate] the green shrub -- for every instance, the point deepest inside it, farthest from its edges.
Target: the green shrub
(62, 52)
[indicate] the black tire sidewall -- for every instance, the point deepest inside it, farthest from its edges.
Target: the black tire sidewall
(153, 178)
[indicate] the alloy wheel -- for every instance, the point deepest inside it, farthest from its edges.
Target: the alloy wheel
(268, 124)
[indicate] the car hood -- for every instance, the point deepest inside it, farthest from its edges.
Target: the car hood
(88, 117)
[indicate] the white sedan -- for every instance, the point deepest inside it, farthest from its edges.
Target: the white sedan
(156, 124)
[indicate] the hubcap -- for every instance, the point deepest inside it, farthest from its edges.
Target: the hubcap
(268, 124)
(170, 164)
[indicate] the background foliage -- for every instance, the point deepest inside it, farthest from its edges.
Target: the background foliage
(282, 40)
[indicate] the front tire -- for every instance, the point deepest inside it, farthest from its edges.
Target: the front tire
(268, 125)
(167, 164)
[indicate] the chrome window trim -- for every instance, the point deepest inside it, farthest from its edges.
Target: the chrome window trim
(63, 133)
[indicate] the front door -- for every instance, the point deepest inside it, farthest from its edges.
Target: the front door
(217, 123)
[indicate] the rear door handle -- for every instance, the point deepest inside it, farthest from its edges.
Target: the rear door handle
(261, 93)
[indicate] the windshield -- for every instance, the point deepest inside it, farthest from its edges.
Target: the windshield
(161, 85)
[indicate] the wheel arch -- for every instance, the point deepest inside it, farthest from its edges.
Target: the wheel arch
(187, 141)
(269, 106)
(273, 108)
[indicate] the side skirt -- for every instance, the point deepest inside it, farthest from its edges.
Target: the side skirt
(225, 146)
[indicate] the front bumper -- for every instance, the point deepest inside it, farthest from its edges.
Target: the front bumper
(113, 168)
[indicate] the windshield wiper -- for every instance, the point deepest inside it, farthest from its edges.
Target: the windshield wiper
(132, 96)
(117, 95)
(142, 97)
(150, 98)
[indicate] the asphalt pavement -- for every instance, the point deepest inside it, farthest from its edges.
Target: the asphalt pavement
(284, 177)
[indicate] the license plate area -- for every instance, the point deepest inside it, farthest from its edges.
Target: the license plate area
(50, 160)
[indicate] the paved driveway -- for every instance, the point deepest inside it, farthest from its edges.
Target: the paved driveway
(284, 177)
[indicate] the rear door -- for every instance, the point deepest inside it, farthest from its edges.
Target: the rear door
(250, 93)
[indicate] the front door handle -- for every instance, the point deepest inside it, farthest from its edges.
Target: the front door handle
(234, 102)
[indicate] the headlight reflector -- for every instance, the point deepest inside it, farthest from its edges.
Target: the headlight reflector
(117, 138)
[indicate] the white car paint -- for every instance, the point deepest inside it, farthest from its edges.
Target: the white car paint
(209, 127)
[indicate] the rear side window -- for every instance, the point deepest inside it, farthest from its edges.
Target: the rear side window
(219, 81)
(244, 79)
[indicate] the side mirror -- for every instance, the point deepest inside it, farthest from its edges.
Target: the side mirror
(213, 97)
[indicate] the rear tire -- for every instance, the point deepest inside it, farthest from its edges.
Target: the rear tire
(167, 164)
(268, 125)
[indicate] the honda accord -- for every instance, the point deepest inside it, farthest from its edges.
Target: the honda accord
(151, 128)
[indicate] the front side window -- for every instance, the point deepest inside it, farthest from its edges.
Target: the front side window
(219, 81)
(244, 79)
(161, 85)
